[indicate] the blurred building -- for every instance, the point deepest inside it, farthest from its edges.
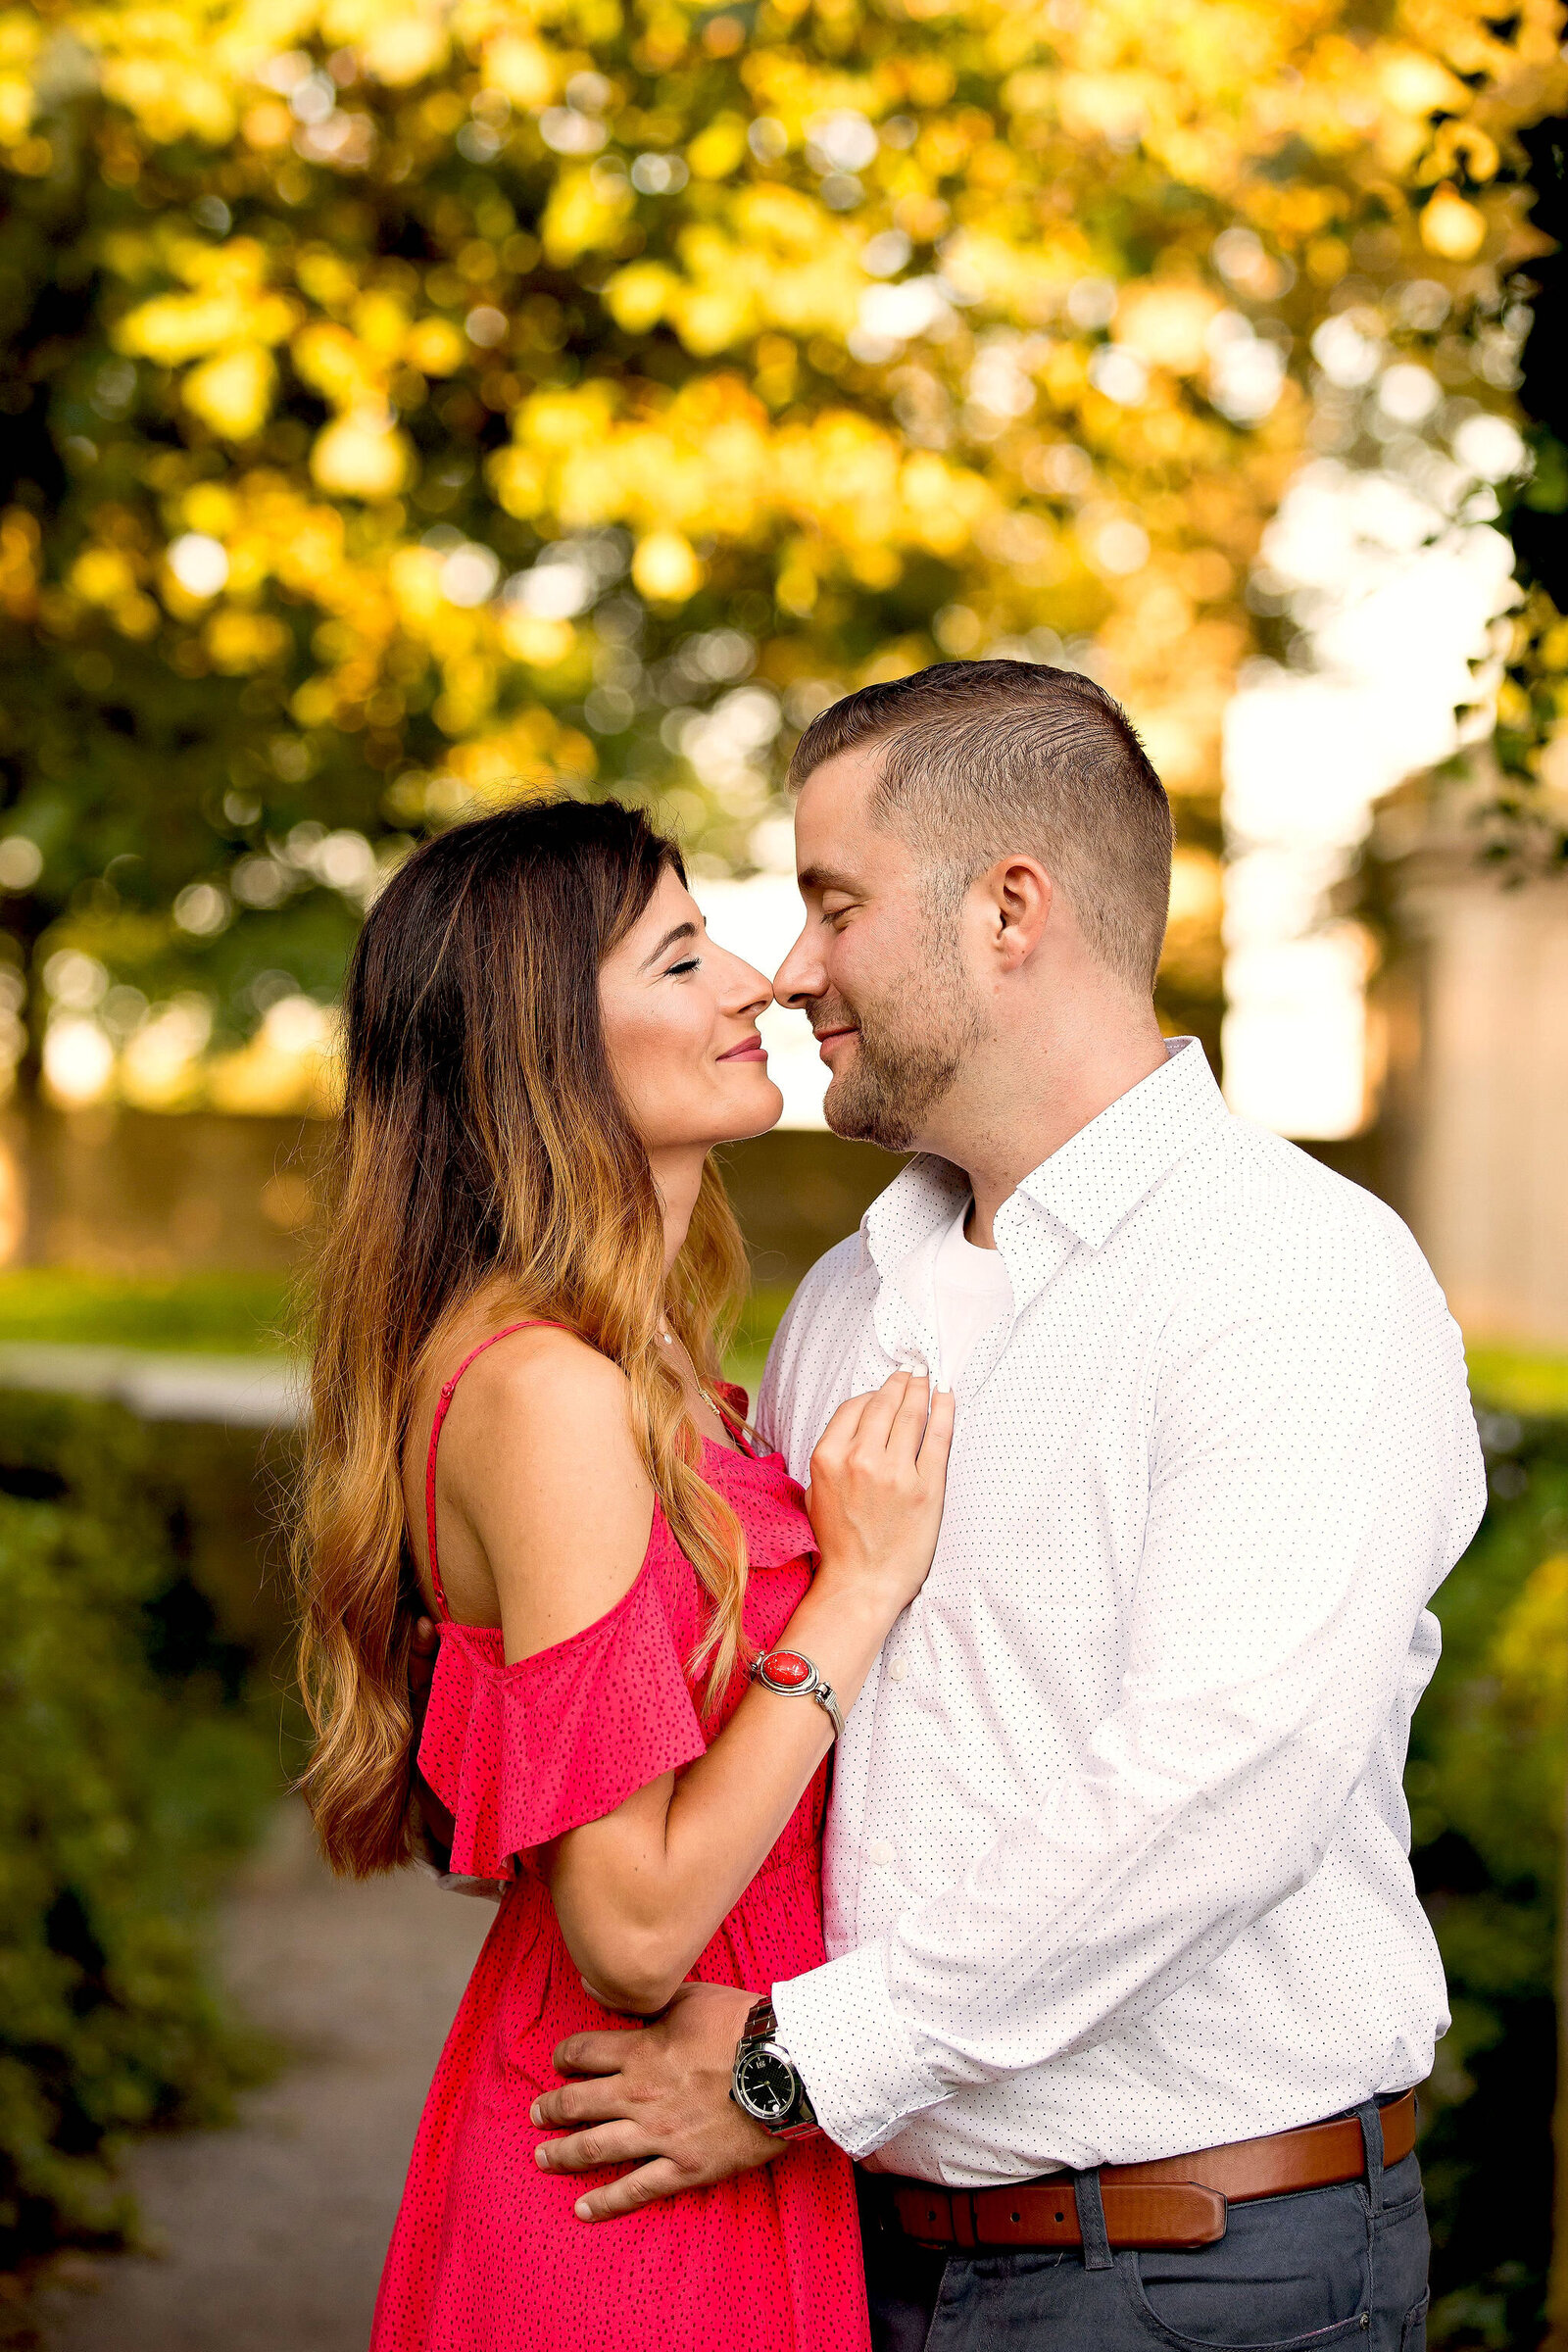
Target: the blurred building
(1472, 1144)
(118, 1191)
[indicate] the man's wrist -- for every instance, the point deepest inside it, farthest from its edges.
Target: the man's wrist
(766, 2083)
(866, 2069)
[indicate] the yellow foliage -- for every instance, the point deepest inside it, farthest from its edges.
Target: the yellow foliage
(1530, 1653)
(174, 328)
(584, 215)
(1167, 324)
(400, 45)
(638, 297)
(232, 391)
(540, 642)
(834, 339)
(336, 364)
(362, 454)
(325, 276)
(521, 67)
(435, 347)
(1451, 227)
(666, 568)
(238, 640)
(102, 575)
(715, 152)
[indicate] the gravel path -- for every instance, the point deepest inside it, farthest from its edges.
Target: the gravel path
(246, 1391)
(269, 2235)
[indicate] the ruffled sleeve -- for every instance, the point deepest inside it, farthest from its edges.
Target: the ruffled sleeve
(519, 1754)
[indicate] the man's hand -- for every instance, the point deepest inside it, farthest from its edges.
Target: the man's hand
(659, 2099)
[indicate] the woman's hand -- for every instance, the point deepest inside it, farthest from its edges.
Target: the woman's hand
(879, 1478)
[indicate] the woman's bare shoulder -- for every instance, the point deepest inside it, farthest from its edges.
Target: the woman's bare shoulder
(548, 1476)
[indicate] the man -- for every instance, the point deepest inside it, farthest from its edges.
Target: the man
(1118, 1896)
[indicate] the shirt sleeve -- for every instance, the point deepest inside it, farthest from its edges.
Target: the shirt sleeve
(1314, 1472)
(770, 1420)
(775, 1415)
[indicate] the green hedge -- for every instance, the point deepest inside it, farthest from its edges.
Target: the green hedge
(1489, 1762)
(223, 1313)
(135, 1765)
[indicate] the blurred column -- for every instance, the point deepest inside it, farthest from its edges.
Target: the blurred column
(1394, 599)
(12, 1188)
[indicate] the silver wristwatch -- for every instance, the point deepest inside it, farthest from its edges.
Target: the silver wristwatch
(764, 2083)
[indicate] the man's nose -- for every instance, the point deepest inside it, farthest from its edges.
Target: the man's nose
(800, 979)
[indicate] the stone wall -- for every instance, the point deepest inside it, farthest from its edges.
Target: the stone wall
(1484, 1108)
(135, 1193)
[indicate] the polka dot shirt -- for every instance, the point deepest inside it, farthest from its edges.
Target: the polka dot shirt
(1117, 1858)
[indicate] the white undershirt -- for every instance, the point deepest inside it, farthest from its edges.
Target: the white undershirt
(973, 1288)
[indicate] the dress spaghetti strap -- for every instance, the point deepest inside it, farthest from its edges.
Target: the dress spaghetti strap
(443, 1402)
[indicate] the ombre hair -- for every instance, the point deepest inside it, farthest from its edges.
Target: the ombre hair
(484, 1149)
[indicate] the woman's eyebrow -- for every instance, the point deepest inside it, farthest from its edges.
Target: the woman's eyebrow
(680, 931)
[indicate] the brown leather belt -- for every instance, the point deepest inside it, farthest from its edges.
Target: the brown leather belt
(1170, 2202)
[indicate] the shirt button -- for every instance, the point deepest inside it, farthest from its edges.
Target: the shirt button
(880, 1852)
(897, 1667)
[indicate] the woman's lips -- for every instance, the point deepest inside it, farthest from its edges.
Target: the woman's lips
(750, 1048)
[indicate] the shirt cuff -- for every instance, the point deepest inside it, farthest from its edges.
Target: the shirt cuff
(860, 2065)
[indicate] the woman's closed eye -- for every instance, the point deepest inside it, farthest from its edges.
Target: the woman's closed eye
(690, 963)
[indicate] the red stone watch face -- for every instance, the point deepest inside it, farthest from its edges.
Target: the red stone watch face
(787, 1666)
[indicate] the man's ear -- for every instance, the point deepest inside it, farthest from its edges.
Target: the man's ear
(1021, 891)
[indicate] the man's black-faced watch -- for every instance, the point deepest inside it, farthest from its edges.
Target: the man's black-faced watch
(764, 2083)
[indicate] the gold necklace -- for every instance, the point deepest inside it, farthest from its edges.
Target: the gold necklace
(668, 1339)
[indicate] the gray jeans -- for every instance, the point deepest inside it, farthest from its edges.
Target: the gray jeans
(1344, 2265)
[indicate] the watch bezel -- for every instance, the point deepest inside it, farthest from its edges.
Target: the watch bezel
(766, 2059)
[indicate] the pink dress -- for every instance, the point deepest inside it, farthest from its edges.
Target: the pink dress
(487, 2255)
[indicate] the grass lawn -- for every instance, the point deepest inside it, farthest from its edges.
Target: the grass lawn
(240, 1314)
(1518, 1380)
(248, 1315)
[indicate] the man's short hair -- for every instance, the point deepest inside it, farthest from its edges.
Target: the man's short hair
(987, 758)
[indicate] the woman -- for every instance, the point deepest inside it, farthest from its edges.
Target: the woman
(518, 1426)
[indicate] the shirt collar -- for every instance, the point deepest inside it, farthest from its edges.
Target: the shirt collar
(1107, 1168)
(929, 1192)
(1088, 1186)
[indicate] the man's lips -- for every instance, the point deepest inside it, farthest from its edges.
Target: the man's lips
(749, 1049)
(830, 1037)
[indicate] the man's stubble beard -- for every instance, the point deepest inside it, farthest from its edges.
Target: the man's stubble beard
(911, 1049)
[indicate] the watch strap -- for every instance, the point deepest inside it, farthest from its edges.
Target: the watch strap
(760, 2023)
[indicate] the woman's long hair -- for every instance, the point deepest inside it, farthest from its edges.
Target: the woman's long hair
(483, 1146)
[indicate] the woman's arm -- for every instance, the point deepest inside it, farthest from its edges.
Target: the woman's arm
(559, 1501)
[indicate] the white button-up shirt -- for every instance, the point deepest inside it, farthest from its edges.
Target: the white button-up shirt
(1117, 1858)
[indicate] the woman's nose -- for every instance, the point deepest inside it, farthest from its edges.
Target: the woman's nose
(749, 990)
